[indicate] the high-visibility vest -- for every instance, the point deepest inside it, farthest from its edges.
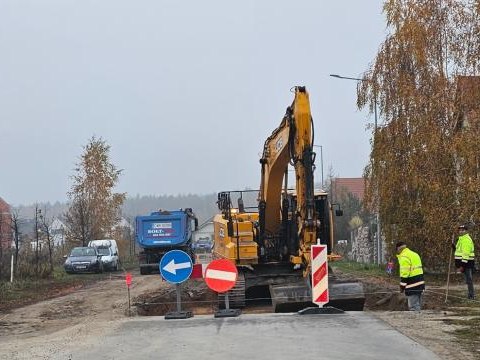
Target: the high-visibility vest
(411, 272)
(464, 251)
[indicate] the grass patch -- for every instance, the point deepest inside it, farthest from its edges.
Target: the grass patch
(351, 267)
(379, 271)
(27, 291)
(466, 316)
(468, 331)
(129, 264)
(30, 290)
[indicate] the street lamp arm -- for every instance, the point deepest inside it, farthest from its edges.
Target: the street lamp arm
(346, 77)
(359, 79)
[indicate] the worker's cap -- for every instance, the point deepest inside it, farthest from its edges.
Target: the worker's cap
(400, 244)
(462, 227)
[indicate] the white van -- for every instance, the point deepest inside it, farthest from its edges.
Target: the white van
(108, 249)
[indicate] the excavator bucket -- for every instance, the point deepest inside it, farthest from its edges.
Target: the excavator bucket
(344, 295)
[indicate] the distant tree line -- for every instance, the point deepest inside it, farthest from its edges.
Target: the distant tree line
(203, 205)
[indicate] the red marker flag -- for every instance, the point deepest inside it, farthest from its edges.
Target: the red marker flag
(128, 279)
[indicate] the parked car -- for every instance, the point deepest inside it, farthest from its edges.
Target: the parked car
(203, 243)
(83, 259)
(108, 249)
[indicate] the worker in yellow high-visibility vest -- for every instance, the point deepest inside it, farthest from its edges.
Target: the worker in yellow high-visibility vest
(411, 276)
(465, 258)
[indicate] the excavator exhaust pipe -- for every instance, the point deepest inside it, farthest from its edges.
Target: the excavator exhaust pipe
(344, 295)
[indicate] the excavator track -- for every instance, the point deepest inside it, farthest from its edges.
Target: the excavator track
(344, 295)
(236, 296)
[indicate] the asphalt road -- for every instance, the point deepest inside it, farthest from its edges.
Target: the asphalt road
(354, 335)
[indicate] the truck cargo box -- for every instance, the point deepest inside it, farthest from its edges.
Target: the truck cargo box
(162, 231)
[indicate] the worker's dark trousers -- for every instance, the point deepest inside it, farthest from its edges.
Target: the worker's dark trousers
(415, 301)
(469, 280)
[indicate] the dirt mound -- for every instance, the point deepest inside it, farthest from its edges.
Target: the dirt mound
(383, 296)
(68, 309)
(195, 296)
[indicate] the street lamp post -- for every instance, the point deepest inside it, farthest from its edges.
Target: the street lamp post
(378, 241)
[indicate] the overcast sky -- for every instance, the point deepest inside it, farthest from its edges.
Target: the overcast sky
(185, 92)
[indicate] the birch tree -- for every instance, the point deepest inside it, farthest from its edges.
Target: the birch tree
(15, 225)
(424, 166)
(94, 207)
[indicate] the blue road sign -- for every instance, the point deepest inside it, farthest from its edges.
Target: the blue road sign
(176, 266)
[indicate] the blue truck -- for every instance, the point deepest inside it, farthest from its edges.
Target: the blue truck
(162, 231)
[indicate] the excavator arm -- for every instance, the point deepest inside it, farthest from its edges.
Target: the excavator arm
(291, 142)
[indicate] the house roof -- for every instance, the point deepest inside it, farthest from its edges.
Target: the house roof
(356, 186)
(4, 205)
(57, 224)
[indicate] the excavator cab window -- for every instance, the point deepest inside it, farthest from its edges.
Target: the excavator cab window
(241, 205)
(338, 209)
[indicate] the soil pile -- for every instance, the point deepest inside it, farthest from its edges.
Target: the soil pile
(195, 297)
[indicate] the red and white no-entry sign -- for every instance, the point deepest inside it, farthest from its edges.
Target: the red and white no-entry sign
(221, 275)
(319, 275)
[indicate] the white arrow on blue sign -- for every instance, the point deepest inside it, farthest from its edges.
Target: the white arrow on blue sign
(176, 266)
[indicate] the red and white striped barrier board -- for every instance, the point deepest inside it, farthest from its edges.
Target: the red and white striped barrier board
(319, 275)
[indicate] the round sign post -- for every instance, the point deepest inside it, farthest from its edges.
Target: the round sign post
(221, 276)
(176, 267)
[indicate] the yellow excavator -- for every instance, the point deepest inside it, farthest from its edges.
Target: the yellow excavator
(270, 242)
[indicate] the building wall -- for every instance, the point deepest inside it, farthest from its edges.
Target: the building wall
(58, 231)
(362, 245)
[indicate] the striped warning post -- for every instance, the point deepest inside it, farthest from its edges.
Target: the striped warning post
(319, 275)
